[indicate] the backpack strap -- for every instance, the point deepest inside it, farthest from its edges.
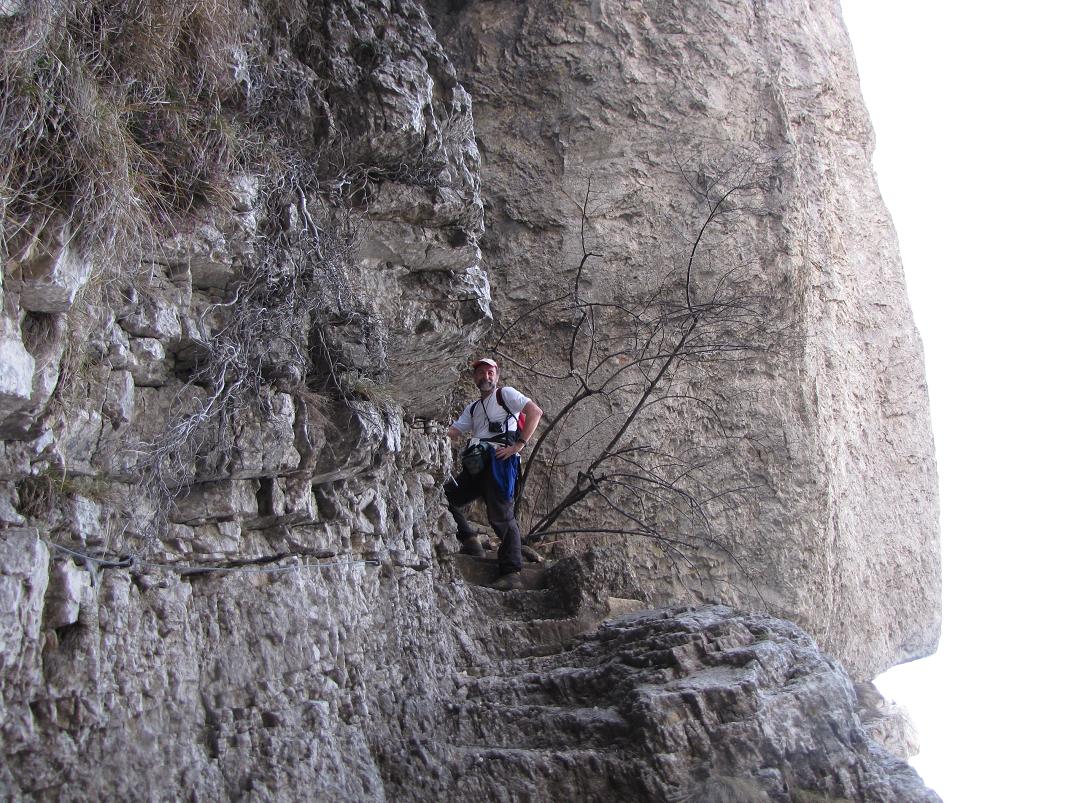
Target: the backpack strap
(502, 404)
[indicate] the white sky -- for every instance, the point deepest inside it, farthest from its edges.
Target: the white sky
(970, 104)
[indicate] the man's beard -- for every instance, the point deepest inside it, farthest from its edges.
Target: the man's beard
(485, 385)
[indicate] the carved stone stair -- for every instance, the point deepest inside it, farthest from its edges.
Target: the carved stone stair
(521, 710)
(484, 571)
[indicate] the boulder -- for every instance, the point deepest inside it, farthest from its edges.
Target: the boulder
(49, 280)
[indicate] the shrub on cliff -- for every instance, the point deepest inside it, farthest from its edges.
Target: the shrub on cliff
(633, 351)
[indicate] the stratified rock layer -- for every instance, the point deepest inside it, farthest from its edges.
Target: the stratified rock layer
(614, 102)
(341, 256)
(686, 704)
(401, 682)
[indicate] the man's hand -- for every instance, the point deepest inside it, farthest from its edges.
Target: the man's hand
(506, 452)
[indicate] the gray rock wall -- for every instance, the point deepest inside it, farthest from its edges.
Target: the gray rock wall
(228, 427)
(618, 102)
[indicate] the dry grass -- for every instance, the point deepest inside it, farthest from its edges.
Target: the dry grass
(112, 124)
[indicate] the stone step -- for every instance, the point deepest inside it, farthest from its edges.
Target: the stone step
(531, 638)
(528, 630)
(554, 774)
(539, 727)
(558, 681)
(519, 606)
(484, 571)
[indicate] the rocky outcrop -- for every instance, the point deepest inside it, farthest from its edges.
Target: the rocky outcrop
(685, 704)
(201, 383)
(296, 680)
(213, 448)
(398, 681)
(624, 104)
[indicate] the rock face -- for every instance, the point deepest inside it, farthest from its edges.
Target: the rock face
(197, 428)
(693, 704)
(401, 682)
(224, 567)
(622, 102)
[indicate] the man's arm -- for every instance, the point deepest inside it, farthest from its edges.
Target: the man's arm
(463, 425)
(532, 413)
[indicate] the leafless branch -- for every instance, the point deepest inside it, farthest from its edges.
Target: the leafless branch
(629, 351)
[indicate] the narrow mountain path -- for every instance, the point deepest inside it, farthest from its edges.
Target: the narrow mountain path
(599, 700)
(539, 715)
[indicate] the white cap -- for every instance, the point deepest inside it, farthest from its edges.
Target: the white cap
(487, 361)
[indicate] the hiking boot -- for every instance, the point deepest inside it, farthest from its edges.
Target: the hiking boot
(472, 546)
(508, 582)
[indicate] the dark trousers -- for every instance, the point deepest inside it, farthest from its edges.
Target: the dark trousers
(462, 490)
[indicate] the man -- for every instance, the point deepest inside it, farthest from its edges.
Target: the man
(493, 420)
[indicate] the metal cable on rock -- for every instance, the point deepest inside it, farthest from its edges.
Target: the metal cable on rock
(131, 562)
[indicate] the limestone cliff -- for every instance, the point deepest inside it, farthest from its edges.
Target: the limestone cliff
(831, 428)
(243, 266)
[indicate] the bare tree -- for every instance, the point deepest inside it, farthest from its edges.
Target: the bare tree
(629, 354)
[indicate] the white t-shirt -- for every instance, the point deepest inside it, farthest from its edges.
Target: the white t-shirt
(475, 418)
